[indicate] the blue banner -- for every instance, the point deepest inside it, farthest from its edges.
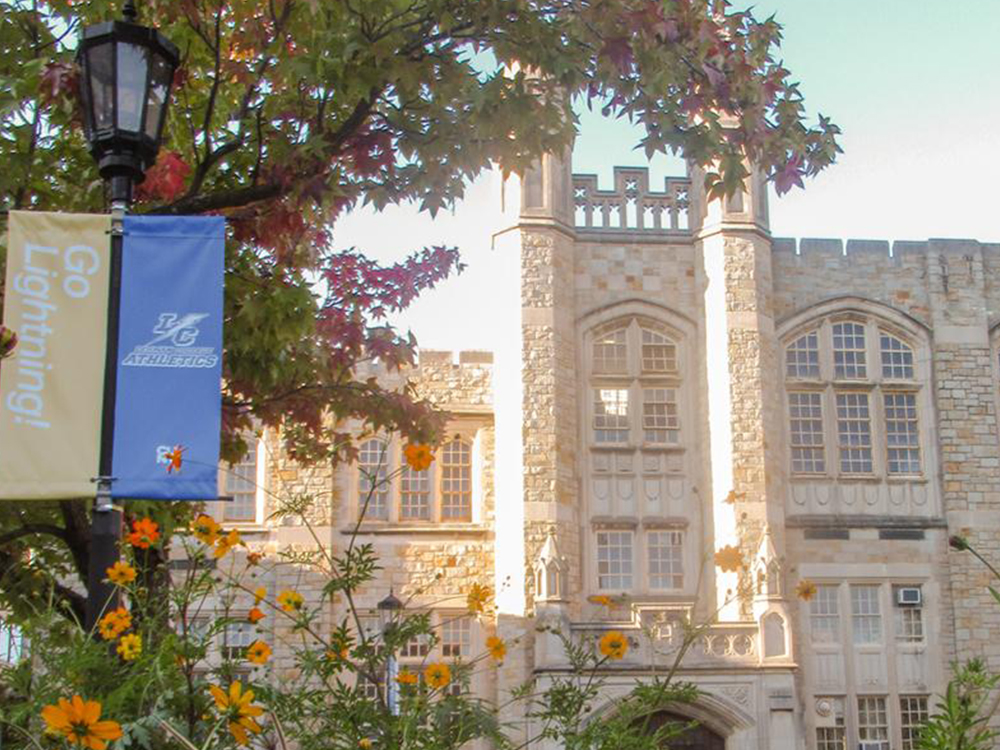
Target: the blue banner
(168, 398)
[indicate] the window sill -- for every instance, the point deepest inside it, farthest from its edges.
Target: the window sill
(423, 529)
(860, 478)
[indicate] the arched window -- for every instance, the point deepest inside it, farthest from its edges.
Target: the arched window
(853, 398)
(632, 426)
(634, 384)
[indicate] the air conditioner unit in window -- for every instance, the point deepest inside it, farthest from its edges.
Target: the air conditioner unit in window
(873, 745)
(908, 596)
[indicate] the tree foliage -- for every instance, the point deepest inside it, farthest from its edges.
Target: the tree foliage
(287, 113)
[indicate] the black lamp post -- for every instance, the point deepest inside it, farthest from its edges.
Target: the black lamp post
(389, 610)
(127, 73)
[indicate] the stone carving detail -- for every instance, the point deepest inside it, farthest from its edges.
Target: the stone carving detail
(632, 207)
(739, 694)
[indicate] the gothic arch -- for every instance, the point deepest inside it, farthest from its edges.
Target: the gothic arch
(714, 711)
(680, 324)
(905, 323)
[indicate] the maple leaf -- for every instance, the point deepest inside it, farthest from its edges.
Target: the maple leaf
(165, 179)
(789, 176)
(619, 51)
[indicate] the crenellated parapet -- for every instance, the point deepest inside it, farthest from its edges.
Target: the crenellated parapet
(632, 206)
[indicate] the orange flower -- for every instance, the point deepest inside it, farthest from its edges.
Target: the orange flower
(733, 496)
(729, 559)
(77, 721)
(254, 557)
(237, 707)
(365, 744)
(406, 677)
(145, 532)
(805, 589)
(121, 573)
(174, 458)
(258, 652)
(290, 601)
(496, 647)
(614, 645)
(600, 599)
(418, 456)
(226, 543)
(437, 675)
(130, 646)
(206, 529)
(255, 615)
(477, 598)
(114, 623)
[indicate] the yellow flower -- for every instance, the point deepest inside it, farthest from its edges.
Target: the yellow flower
(226, 543)
(77, 721)
(406, 677)
(437, 675)
(290, 601)
(805, 590)
(130, 646)
(258, 652)
(121, 573)
(237, 707)
(496, 647)
(418, 456)
(114, 623)
(601, 599)
(614, 644)
(729, 559)
(259, 595)
(478, 598)
(255, 616)
(365, 744)
(206, 529)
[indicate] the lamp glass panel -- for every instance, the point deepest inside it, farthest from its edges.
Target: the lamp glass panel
(133, 62)
(160, 73)
(102, 85)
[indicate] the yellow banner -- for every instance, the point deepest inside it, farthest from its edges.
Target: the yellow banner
(51, 390)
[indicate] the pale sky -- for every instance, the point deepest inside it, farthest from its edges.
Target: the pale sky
(914, 85)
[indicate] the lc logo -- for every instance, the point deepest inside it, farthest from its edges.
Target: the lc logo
(180, 331)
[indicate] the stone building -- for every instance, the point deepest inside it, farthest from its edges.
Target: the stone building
(672, 383)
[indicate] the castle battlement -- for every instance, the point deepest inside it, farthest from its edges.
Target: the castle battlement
(852, 248)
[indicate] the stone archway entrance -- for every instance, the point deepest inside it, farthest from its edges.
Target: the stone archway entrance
(699, 738)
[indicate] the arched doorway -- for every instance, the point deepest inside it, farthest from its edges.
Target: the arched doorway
(698, 738)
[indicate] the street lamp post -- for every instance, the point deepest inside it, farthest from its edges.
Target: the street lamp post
(388, 615)
(127, 72)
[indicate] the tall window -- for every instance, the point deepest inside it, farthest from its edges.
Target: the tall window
(665, 553)
(912, 715)
(909, 619)
(873, 719)
(847, 416)
(456, 637)
(414, 494)
(373, 469)
(824, 615)
(456, 481)
(614, 560)
(866, 615)
(241, 484)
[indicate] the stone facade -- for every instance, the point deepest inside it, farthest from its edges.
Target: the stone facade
(680, 383)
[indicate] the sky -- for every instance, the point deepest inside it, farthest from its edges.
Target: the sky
(913, 84)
